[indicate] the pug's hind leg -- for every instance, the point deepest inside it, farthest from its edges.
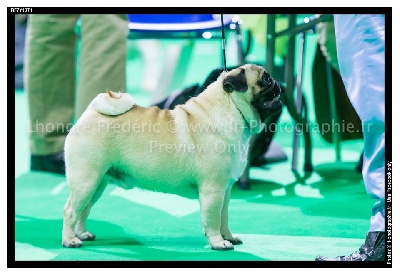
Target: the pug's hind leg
(82, 185)
(80, 227)
(225, 232)
(211, 202)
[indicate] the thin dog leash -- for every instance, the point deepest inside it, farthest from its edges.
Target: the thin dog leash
(223, 40)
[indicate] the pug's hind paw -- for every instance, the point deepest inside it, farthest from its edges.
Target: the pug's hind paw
(222, 245)
(86, 236)
(234, 239)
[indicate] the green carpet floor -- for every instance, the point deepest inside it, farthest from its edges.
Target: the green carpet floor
(279, 219)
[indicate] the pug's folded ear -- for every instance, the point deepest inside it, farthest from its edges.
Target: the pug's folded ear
(235, 83)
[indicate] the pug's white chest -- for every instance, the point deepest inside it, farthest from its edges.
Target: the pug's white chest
(240, 162)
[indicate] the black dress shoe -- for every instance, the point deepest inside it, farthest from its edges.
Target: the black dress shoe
(372, 250)
(53, 163)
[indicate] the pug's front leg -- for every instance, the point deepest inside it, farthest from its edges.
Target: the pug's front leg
(211, 202)
(225, 232)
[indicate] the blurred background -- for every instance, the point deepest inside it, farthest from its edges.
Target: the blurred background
(160, 64)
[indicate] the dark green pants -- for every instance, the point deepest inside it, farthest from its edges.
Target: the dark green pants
(56, 94)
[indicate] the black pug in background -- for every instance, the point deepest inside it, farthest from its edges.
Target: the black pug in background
(262, 142)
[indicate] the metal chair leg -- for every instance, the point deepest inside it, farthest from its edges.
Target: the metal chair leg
(336, 135)
(299, 100)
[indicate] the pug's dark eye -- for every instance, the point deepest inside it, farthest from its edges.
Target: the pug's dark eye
(265, 80)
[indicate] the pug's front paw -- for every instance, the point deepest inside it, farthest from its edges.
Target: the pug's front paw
(72, 243)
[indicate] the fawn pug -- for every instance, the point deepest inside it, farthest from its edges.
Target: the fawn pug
(197, 149)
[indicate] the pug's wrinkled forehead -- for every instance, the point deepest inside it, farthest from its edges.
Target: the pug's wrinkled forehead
(254, 73)
(239, 79)
(252, 70)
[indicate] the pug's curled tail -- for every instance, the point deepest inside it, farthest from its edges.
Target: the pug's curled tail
(112, 103)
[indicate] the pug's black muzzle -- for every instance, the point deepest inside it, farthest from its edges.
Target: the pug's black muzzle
(267, 101)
